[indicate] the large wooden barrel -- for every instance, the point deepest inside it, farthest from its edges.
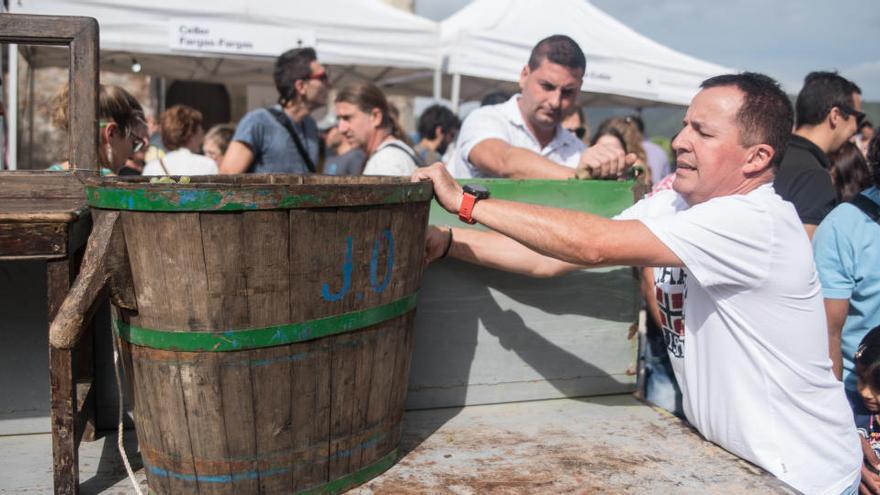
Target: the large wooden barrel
(270, 349)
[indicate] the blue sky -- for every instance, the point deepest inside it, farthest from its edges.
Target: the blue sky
(782, 38)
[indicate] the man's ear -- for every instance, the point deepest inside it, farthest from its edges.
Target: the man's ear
(300, 86)
(759, 159)
(834, 117)
(438, 132)
(375, 117)
(523, 75)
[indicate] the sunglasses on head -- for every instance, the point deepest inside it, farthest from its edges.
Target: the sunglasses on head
(322, 76)
(848, 110)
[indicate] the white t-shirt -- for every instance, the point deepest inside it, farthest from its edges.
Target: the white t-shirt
(182, 162)
(745, 328)
(505, 122)
(391, 160)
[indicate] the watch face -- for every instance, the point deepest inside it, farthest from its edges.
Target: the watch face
(479, 191)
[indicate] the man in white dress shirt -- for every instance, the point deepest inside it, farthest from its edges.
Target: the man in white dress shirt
(522, 138)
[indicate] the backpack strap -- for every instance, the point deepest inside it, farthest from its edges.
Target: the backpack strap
(415, 158)
(284, 120)
(867, 206)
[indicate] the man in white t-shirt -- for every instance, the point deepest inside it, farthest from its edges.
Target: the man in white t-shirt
(522, 138)
(742, 306)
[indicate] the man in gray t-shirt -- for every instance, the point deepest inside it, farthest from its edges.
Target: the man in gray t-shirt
(271, 145)
(263, 144)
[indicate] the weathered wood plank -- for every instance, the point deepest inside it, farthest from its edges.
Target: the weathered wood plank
(153, 297)
(204, 420)
(273, 415)
(239, 418)
(267, 240)
(73, 315)
(33, 239)
(62, 380)
(225, 255)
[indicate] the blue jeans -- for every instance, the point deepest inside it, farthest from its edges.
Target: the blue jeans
(661, 388)
(852, 489)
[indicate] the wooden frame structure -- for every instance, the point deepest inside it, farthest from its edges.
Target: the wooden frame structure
(43, 216)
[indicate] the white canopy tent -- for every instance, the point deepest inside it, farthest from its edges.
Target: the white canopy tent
(366, 39)
(236, 42)
(490, 40)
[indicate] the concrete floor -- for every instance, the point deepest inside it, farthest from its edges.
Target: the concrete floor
(611, 444)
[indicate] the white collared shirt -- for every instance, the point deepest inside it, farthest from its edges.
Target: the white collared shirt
(505, 122)
(181, 162)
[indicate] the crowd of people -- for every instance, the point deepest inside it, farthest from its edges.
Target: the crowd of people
(758, 245)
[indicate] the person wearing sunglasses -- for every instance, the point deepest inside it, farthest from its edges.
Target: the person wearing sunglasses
(121, 118)
(576, 124)
(828, 112)
(283, 138)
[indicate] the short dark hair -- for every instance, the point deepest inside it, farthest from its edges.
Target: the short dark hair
(559, 49)
(290, 67)
(434, 116)
(866, 123)
(823, 91)
(495, 97)
(765, 115)
(867, 358)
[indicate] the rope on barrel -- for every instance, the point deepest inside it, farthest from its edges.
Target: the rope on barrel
(255, 338)
(119, 445)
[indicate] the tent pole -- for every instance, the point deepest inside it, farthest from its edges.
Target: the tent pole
(438, 85)
(12, 110)
(456, 92)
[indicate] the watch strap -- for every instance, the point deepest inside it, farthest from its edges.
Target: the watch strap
(466, 210)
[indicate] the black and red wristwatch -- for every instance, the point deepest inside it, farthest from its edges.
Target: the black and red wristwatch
(472, 194)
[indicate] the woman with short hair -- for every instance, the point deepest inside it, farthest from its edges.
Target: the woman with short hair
(182, 134)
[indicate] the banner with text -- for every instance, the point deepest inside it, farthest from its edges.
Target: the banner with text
(194, 35)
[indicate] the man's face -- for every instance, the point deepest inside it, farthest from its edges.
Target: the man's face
(849, 124)
(709, 154)
(357, 127)
(869, 396)
(316, 87)
(446, 139)
(548, 92)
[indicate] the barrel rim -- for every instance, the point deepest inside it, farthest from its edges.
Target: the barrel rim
(251, 192)
(271, 336)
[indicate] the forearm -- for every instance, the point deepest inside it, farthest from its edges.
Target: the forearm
(575, 237)
(835, 313)
(500, 252)
(520, 163)
(647, 285)
(500, 159)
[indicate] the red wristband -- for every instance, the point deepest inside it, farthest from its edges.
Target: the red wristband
(466, 210)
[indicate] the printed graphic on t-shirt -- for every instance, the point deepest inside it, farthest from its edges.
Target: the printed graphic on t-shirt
(670, 290)
(870, 432)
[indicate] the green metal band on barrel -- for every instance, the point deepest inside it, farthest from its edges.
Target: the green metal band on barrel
(160, 197)
(356, 478)
(255, 338)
